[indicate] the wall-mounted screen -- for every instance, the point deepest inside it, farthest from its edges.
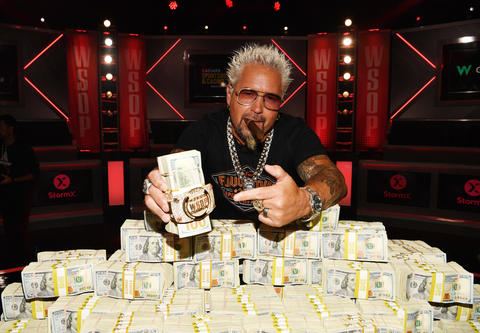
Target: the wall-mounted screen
(460, 73)
(206, 77)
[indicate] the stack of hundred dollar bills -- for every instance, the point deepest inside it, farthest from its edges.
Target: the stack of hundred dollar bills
(182, 172)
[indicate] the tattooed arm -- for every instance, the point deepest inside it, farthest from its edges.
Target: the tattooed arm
(321, 175)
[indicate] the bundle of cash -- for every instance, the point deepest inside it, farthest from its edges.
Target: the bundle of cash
(129, 225)
(322, 307)
(452, 312)
(419, 251)
(72, 255)
(69, 312)
(433, 282)
(207, 323)
(288, 242)
(285, 322)
(326, 221)
(206, 275)
(363, 323)
(133, 280)
(148, 246)
(275, 271)
(62, 316)
(15, 306)
(303, 291)
(232, 223)
(460, 312)
(315, 272)
(182, 172)
(226, 243)
(475, 314)
(416, 316)
(251, 290)
(123, 322)
(256, 306)
(49, 279)
(118, 255)
(351, 244)
(363, 280)
(24, 325)
(361, 225)
(444, 326)
(187, 302)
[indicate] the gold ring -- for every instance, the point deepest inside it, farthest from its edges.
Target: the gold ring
(258, 204)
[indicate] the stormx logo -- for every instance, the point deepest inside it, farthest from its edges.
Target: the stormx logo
(61, 182)
(397, 182)
(466, 70)
(472, 189)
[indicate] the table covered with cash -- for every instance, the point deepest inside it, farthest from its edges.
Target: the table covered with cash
(327, 276)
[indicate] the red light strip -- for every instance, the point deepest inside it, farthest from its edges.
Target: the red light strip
(44, 50)
(288, 57)
(170, 105)
(164, 55)
(46, 98)
(304, 82)
(408, 102)
(418, 52)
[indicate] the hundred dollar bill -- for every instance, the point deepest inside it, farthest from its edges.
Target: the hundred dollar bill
(416, 316)
(362, 280)
(314, 272)
(206, 275)
(414, 251)
(132, 281)
(15, 306)
(147, 246)
(434, 282)
(355, 245)
(288, 243)
(326, 221)
(132, 322)
(361, 225)
(129, 225)
(25, 325)
(275, 271)
(181, 171)
(71, 255)
(232, 223)
(50, 279)
(226, 243)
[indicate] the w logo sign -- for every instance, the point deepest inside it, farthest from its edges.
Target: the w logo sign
(463, 69)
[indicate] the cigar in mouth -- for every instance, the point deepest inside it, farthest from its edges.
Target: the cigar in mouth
(257, 132)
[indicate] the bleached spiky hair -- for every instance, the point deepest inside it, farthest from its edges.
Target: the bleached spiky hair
(265, 56)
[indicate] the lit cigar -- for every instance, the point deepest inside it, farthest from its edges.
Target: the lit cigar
(257, 132)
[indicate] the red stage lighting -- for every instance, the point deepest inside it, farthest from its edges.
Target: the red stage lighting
(277, 6)
(418, 18)
(229, 3)
(173, 5)
(244, 27)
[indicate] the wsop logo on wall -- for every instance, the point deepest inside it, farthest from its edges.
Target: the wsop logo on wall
(459, 192)
(399, 188)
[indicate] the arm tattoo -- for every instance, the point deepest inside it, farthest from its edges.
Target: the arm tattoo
(320, 170)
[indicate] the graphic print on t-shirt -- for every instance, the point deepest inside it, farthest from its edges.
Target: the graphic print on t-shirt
(231, 184)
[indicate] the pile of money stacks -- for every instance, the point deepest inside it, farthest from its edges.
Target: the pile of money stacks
(327, 276)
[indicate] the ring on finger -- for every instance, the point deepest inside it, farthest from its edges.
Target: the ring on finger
(265, 212)
(146, 186)
(258, 204)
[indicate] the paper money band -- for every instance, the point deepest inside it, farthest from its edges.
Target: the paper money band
(194, 205)
(361, 283)
(128, 276)
(60, 279)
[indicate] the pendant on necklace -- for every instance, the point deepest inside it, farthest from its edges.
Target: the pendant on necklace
(248, 184)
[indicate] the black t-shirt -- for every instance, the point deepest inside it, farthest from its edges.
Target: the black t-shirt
(293, 142)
